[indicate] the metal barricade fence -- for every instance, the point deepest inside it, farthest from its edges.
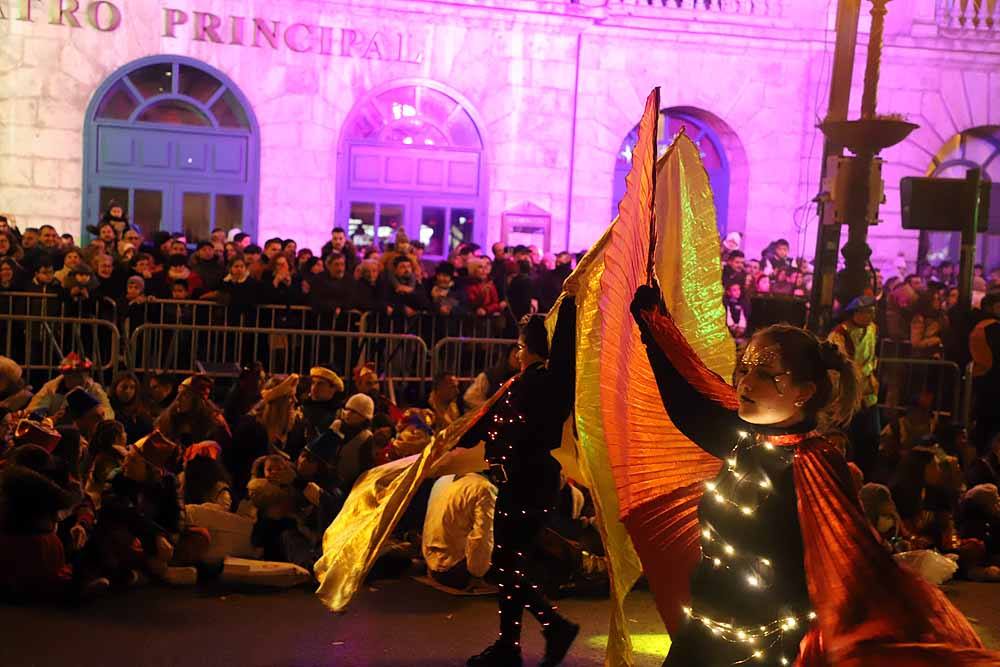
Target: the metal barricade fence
(902, 381)
(468, 357)
(432, 327)
(221, 350)
(48, 304)
(38, 344)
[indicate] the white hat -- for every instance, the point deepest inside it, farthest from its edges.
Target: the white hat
(232, 233)
(733, 240)
(362, 404)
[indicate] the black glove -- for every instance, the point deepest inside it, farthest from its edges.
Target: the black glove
(647, 298)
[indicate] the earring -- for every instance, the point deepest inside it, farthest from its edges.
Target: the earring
(799, 404)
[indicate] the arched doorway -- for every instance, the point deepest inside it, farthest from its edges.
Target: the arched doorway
(411, 157)
(175, 142)
(713, 138)
(976, 147)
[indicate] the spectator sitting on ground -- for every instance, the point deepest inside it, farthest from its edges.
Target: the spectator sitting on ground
(981, 522)
(320, 408)
(413, 432)
(489, 381)
(457, 539)
(161, 390)
(130, 407)
(192, 417)
(444, 400)
(74, 371)
(15, 394)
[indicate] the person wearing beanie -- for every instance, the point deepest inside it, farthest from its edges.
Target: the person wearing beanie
(192, 416)
(857, 337)
(207, 265)
(357, 453)
(74, 371)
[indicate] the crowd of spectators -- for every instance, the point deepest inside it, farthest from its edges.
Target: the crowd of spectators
(156, 478)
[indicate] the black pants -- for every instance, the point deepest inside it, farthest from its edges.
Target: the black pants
(864, 433)
(515, 533)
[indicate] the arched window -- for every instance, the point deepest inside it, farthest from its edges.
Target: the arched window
(175, 143)
(976, 147)
(713, 155)
(412, 159)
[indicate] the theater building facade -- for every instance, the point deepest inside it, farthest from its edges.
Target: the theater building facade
(461, 120)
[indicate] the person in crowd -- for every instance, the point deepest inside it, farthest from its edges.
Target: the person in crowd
(192, 416)
(339, 243)
(403, 293)
(205, 480)
(161, 390)
(320, 408)
(550, 284)
(986, 468)
(880, 510)
(369, 294)
(239, 292)
(43, 280)
(503, 266)
(521, 291)
(275, 500)
(83, 412)
(206, 265)
(929, 326)
(245, 393)
(105, 454)
(984, 350)
(10, 275)
(80, 290)
(444, 400)
(130, 407)
(413, 432)
(332, 291)
(355, 451)
(15, 394)
(265, 430)
(480, 293)
(775, 257)
(9, 247)
(443, 296)
(74, 371)
(457, 539)
(763, 285)
(72, 259)
(857, 337)
(366, 381)
(489, 381)
(736, 312)
(177, 269)
(981, 524)
(734, 270)
(280, 285)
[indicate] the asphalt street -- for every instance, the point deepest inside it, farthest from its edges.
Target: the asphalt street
(398, 623)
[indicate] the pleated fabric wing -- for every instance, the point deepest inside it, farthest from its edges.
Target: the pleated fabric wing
(658, 472)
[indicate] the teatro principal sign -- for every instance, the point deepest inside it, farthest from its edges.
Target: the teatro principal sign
(228, 30)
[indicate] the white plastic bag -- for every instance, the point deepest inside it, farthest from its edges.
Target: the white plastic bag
(930, 565)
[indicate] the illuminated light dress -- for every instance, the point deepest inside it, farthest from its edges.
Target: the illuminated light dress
(789, 572)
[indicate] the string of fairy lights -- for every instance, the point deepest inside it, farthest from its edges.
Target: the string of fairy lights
(758, 639)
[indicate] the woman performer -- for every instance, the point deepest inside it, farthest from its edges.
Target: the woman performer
(520, 430)
(789, 572)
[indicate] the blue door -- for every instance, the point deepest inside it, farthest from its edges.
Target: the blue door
(174, 142)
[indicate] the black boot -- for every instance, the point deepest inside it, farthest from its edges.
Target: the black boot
(559, 636)
(498, 654)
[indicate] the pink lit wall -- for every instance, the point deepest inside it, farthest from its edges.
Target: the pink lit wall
(554, 88)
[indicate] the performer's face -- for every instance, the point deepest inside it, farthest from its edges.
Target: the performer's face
(767, 394)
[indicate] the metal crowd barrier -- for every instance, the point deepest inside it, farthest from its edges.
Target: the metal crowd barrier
(221, 350)
(432, 327)
(50, 305)
(39, 343)
(467, 357)
(903, 380)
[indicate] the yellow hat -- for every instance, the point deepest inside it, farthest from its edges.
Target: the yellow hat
(276, 388)
(326, 374)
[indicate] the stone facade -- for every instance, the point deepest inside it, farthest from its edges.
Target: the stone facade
(555, 86)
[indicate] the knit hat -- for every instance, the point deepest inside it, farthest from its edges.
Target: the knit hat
(74, 363)
(138, 280)
(79, 402)
(279, 388)
(201, 384)
(860, 303)
(981, 495)
(362, 404)
(732, 242)
(157, 449)
(324, 447)
(40, 433)
(323, 373)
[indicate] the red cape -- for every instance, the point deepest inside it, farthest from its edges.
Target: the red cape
(870, 610)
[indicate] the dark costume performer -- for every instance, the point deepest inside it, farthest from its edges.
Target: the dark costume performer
(520, 431)
(781, 565)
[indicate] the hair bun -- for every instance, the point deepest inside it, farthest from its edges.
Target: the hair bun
(831, 356)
